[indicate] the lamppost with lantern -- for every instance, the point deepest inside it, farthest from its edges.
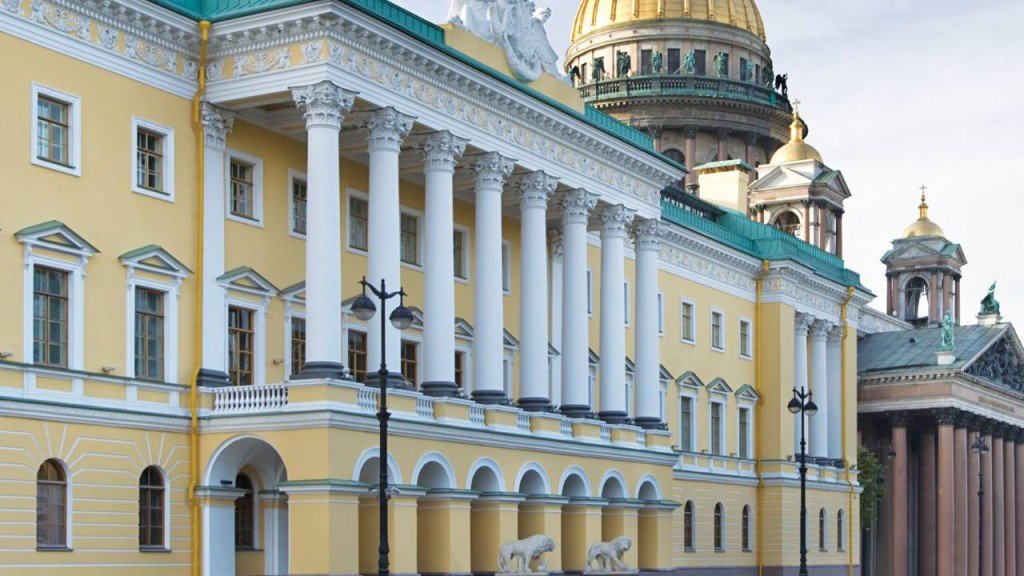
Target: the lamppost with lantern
(401, 318)
(803, 404)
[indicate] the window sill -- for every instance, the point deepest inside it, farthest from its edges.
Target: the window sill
(690, 550)
(412, 266)
(748, 550)
(156, 194)
(56, 166)
(719, 550)
(297, 235)
(746, 357)
(687, 341)
(254, 222)
(719, 350)
(54, 549)
(155, 550)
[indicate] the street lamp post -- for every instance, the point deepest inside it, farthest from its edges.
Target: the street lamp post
(803, 404)
(980, 448)
(401, 318)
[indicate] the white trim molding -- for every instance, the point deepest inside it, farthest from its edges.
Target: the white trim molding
(294, 175)
(74, 138)
(166, 193)
(155, 261)
(257, 187)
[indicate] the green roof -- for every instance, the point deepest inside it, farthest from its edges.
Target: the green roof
(916, 349)
(755, 239)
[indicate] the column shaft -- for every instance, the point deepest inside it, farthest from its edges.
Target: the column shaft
(835, 393)
(800, 380)
(576, 207)
(646, 345)
(534, 191)
(723, 145)
(819, 385)
(839, 234)
(1010, 505)
(960, 497)
(385, 129)
(1018, 464)
(616, 220)
(926, 503)
(690, 149)
(557, 277)
(440, 151)
(946, 520)
(488, 306)
(899, 499)
(998, 506)
(987, 510)
(973, 503)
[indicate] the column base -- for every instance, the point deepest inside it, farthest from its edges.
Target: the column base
(614, 417)
(535, 404)
(439, 389)
(490, 397)
(577, 411)
(649, 423)
(212, 378)
(322, 370)
(394, 380)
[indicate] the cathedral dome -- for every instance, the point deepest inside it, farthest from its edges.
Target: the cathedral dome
(594, 15)
(923, 227)
(796, 149)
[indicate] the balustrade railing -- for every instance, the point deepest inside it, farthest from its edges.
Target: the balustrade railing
(681, 85)
(241, 399)
(476, 415)
(366, 399)
(523, 421)
(425, 407)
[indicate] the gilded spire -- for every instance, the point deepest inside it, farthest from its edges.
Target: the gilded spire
(796, 150)
(796, 129)
(923, 208)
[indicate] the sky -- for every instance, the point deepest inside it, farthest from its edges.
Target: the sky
(900, 94)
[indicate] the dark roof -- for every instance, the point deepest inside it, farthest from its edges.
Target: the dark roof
(917, 349)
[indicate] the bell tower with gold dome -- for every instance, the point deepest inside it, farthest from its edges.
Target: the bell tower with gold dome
(697, 75)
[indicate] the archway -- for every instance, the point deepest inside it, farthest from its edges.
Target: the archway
(442, 516)
(494, 515)
(915, 299)
(367, 471)
(651, 522)
(261, 470)
(620, 516)
(613, 486)
(788, 222)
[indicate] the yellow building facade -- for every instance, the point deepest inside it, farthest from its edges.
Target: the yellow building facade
(186, 204)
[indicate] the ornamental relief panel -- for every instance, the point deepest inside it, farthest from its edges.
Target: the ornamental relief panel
(790, 288)
(707, 268)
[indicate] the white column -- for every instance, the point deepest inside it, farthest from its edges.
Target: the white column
(555, 237)
(576, 208)
(217, 125)
(615, 222)
(488, 318)
(441, 151)
(800, 380)
(325, 106)
(274, 504)
(819, 385)
(835, 393)
(534, 191)
(386, 128)
(648, 357)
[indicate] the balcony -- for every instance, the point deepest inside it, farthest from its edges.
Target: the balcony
(683, 86)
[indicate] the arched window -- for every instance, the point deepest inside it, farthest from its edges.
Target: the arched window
(822, 530)
(675, 156)
(719, 527)
(840, 545)
(245, 514)
(151, 509)
(916, 294)
(789, 223)
(51, 506)
(688, 544)
(745, 528)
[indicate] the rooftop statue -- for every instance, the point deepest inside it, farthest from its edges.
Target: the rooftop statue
(948, 333)
(989, 305)
(517, 26)
(690, 62)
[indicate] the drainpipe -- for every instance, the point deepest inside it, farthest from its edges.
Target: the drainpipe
(765, 264)
(846, 456)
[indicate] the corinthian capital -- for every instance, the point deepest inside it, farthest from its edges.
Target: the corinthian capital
(616, 220)
(535, 189)
(820, 329)
(386, 128)
(803, 323)
(556, 241)
(441, 151)
(325, 103)
(647, 233)
(217, 124)
(491, 171)
(577, 205)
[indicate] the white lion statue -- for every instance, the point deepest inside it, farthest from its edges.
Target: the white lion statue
(516, 556)
(608, 555)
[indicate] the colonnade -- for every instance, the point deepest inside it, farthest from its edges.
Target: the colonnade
(817, 359)
(325, 106)
(969, 504)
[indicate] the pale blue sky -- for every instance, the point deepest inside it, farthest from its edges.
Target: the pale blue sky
(900, 93)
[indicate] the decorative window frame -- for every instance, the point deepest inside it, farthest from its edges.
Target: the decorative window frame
(593, 373)
(689, 390)
(717, 347)
(294, 298)
(69, 506)
(506, 267)
(420, 219)
(690, 338)
(458, 228)
(167, 134)
(661, 314)
(590, 292)
(630, 385)
(747, 399)
(840, 530)
(722, 535)
(257, 187)
(822, 529)
(74, 130)
(748, 341)
(294, 175)
(510, 345)
(155, 261)
(464, 344)
(55, 238)
(718, 393)
(248, 282)
(351, 193)
(166, 482)
(625, 303)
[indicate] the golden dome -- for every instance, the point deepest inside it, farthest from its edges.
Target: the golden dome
(597, 14)
(796, 149)
(923, 226)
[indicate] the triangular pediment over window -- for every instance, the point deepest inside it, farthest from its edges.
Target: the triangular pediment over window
(56, 236)
(245, 279)
(1001, 363)
(463, 329)
(747, 392)
(719, 386)
(690, 380)
(153, 258)
(297, 293)
(663, 374)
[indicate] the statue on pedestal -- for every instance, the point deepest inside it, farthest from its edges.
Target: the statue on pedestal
(623, 63)
(722, 64)
(989, 305)
(948, 333)
(656, 63)
(690, 62)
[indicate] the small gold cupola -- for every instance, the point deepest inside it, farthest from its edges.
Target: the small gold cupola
(923, 226)
(796, 150)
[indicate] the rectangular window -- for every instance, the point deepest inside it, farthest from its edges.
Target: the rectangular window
(716, 428)
(686, 326)
(625, 303)
(590, 292)
(298, 346)
(357, 223)
(645, 62)
(583, 74)
(686, 424)
(717, 330)
(745, 338)
(241, 194)
(357, 355)
(460, 369)
(50, 317)
(410, 239)
(409, 361)
(149, 160)
(744, 432)
(743, 70)
(53, 130)
(506, 374)
(629, 397)
(661, 313)
(149, 334)
(241, 345)
(461, 257)
(299, 195)
(506, 267)
(700, 58)
(674, 63)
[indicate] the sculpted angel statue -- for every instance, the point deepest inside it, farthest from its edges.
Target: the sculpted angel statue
(517, 26)
(473, 15)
